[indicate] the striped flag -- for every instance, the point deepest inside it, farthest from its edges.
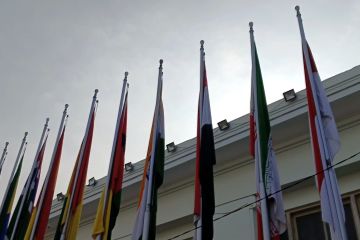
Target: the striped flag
(21, 217)
(271, 220)
(40, 214)
(325, 143)
(109, 204)
(10, 192)
(204, 206)
(71, 212)
(145, 224)
(3, 156)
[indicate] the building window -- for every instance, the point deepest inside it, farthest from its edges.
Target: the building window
(358, 203)
(306, 222)
(309, 226)
(350, 223)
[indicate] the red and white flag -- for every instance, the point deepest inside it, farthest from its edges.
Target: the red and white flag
(325, 143)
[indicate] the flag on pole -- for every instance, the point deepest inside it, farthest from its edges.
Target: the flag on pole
(271, 220)
(3, 156)
(204, 206)
(71, 212)
(40, 214)
(21, 217)
(325, 142)
(8, 201)
(65, 208)
(145, 224)
(109, 204)
(10, 192)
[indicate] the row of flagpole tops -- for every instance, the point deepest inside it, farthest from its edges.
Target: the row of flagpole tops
(251, 24)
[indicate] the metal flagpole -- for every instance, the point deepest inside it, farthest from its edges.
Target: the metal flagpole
(120, 112)
(263, 195)
(320, 129)
(45, 130)
(198, 231)
(152, 158)
(42, 196)
(19, 155)
(202, 66)
(92, 109)
(3, 156)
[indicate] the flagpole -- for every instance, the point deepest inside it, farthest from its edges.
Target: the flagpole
(323, 145)
(42, 196)
(20, 152)
(152, 159)
(202, 61)
(198, 231)
(3, 156)
(45, 130)
(109, 176)
(83, 145)
(263, 195)
(4, 153)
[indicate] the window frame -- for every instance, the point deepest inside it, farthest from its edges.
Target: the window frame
(352, 198)
(313, 208)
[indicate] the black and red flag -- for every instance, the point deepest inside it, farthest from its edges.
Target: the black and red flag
(204, 207)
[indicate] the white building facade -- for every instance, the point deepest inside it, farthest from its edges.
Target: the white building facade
(235, 179)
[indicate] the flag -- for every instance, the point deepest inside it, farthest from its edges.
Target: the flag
(21, 216)
(65, 207)
(109, 204)
(40, 214)
(3, 156)
(204, 206)
(8, 201)
(145, 224)
(271, 220)
(325, 143)
(71, 212)
(10, 192)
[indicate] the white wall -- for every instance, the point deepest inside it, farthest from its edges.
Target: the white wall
(236, 179)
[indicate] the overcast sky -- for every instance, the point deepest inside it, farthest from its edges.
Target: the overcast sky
(57, 52)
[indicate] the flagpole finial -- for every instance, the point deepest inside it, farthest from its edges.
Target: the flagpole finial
(251, 24)
(47, 121)
(161, 62)
(96, 92)
(65, 110)
(6, 144)
(297, 8)
(202, 44)
(126, 75)
(26, 133)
